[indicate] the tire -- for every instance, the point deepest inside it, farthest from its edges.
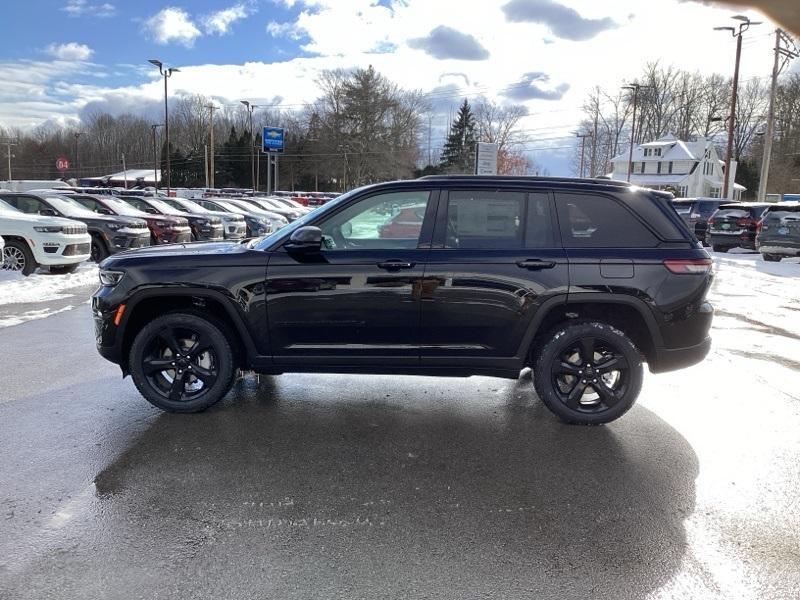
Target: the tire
(722, 249)
(562, 362)
(201, 343)
(771, 257)
(63, 269)
(17, 257)
(99, 250)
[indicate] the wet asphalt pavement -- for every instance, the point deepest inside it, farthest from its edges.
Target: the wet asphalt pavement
(318, 486)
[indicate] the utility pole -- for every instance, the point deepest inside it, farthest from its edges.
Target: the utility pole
(205, 153)
(582, 137)
(788, 52)
(210, 170)
(155, 155)
(743, 26)
(124, 171)
(9, 144)
(77, 134)
(594, 146)
(635, 87)
(165, 73)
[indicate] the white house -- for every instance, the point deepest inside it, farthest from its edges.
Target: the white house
(693, 169)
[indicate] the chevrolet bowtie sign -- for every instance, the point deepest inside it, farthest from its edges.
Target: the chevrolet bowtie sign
(272, 139)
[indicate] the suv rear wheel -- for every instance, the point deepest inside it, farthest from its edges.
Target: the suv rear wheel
(588, 373)
(182, 362)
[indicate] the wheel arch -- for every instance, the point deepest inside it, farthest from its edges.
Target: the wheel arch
(630, 315)
(147, 304)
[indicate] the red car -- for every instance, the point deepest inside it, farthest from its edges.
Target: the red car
(405, 224)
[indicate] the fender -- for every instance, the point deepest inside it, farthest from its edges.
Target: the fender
(199, 292)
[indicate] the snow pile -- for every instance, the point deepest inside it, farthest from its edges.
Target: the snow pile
(44, 287)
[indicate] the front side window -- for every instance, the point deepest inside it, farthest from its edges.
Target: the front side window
(589, 221)
(385, 221)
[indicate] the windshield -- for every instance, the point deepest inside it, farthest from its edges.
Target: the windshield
(69, 207)
(164, 207)
(7, 207)
(186, 205)
(122, 208)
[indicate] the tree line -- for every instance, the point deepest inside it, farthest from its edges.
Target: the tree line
(690, 105)
(363, 128)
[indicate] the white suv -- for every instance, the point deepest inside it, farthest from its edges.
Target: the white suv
(32, 241)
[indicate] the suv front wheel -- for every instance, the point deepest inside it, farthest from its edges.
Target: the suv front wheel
(182, 362)
(588, 373)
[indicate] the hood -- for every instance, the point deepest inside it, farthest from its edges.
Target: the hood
(225, 216)
(166, 218)
(21, 217)
(112, 219)
(174, 251)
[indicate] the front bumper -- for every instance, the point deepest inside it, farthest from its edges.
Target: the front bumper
(61, 249)
(177, 235)
(128, 240)
(235, 231)
(212, 233)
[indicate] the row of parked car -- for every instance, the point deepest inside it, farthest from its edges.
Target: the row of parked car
(771, 228)
(60, 228)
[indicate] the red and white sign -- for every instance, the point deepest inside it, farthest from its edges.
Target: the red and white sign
(62, 163)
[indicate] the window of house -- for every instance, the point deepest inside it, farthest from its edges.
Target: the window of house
(658, 168)
(642, 171)
(670, 167)
(683, 191)
(599, 221)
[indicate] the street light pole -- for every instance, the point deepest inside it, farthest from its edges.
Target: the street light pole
(582, 137)
(250, 108)
(77, 134)
(153, 127)
(165, 73)
(211, 108)
(743, 26)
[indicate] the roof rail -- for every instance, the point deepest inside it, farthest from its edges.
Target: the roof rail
(529, 178)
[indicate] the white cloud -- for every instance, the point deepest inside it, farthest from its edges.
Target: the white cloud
(289, 30)
(170, 25)
(220, 22)
(78, 8)
(70, 51)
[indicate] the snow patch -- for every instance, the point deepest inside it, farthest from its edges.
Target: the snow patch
(44, 287)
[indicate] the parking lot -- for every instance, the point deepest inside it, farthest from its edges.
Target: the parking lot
(324, 486)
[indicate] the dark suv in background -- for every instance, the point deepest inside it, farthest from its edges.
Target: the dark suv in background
(779, 233)
(204, 227)
(734, 225)
(581, 280)
(695, 212)
(110, 233)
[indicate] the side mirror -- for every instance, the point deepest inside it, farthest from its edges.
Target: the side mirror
(305, 240)
(47, 212)
(104, 211)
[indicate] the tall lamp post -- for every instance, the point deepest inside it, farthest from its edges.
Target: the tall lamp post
(744, 25)
(250, 108)
(154, 127)
(166, 74)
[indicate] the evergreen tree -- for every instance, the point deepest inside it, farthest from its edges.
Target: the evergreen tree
(458, 154)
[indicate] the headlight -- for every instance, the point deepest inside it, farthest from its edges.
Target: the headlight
(111, 278)
(203, 222)
(115, 226)
(48, 228)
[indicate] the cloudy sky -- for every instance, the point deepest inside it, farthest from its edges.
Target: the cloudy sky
(59, 59)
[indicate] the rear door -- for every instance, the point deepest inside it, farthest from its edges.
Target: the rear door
(495, 260)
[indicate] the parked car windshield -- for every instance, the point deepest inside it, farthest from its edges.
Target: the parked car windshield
(123, 208)
(70, 207)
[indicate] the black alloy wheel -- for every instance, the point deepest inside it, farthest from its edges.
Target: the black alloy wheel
(98, 251)
(182, 362)
(588, 373)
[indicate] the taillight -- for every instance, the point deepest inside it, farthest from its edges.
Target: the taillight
(711, 221)
(689, 266)
(759, 225)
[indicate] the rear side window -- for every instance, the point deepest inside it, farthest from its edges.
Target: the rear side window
(682, 208)
(589, 221)
(706, 207)
(484, 219)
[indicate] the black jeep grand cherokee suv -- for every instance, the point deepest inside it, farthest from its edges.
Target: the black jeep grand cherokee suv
(582, 280)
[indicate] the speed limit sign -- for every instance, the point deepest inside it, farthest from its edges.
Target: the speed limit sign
(62, 163)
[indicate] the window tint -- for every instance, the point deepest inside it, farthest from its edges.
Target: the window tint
(484, 219)
(539, 226)
(588, 221)
(385, 221)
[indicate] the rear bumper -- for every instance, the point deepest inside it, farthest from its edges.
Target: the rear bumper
(742, 240)
(672, 359)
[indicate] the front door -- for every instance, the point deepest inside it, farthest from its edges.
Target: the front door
(357, 301)
(496, 259)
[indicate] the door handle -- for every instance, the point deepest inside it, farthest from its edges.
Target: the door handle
(395, 264)
(535, 263)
